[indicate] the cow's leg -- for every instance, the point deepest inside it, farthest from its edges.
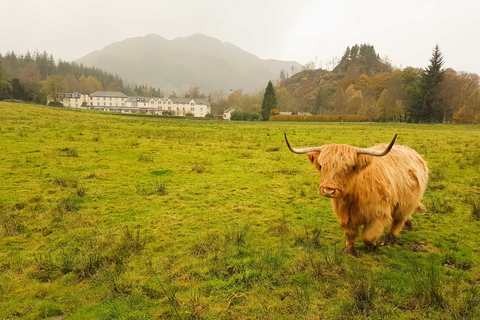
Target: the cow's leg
(372, 231)
(397, 225)
(408, 225)
(350, 236)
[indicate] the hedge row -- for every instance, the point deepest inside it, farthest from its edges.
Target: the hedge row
(245, 116)
(317, 118)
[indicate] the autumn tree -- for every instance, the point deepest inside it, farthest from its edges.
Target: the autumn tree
(269, 101)
(465, 95)
(286, 101)
(53, 87)
(194, 93)
(89, 84)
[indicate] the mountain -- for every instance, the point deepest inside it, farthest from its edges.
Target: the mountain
(183, 63)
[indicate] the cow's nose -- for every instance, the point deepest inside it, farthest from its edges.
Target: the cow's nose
(328, 191)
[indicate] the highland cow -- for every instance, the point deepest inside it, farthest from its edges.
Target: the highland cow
(370, 187)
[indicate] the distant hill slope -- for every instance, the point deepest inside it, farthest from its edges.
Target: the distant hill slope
(183, 63)
(357, 60)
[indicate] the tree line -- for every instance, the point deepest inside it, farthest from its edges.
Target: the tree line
(38, 76)
(364, 85)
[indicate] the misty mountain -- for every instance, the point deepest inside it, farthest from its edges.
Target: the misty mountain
(183, 63)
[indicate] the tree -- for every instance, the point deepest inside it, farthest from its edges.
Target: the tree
(424, 102)
(269, 101)
(433, 76)
(322, 102)
(411, 79)
(53, 87)
(5, 86)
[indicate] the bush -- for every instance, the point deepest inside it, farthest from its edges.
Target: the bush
(166, 113)
(317, 118)
(209, 115)
(55, 104)
(245, 116)
(189, 114)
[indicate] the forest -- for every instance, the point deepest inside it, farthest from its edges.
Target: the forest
(361, 86)
(33, 77)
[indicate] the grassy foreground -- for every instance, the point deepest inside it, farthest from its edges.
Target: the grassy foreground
(104, 216)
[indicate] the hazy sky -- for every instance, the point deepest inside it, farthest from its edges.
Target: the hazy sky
(404, 30)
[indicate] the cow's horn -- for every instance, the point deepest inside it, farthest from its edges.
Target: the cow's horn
(377, 153)
(304, 150)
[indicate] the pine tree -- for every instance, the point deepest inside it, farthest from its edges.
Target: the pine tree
(423, 105)
(431, 79)
(269, 101)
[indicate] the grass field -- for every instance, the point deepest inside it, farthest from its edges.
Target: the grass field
(104, 216)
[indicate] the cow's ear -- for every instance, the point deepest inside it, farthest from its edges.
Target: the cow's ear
(363, 161)
(312, 157)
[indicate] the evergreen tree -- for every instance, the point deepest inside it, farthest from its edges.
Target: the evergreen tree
(431, 79)
(423, 105)
(269, 101)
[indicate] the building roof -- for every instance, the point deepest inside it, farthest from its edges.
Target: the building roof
(109, 94)
(72, 95)
(139, 99)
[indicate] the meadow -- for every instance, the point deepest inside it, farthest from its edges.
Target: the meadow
(107, 216)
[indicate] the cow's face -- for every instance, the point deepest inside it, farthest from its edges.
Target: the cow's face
(338, 165)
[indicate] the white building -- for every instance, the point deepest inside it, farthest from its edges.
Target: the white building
(227, 114)
(74, 100)
(106, 100)
(115, 101)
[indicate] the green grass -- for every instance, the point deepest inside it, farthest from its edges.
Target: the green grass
(124, 217)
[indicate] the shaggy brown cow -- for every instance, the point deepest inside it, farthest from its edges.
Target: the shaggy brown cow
(370, 187)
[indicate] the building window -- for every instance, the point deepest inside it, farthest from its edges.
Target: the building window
(192, 109)
(169, 108)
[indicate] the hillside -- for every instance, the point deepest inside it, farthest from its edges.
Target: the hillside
(183, 63)
(308, 86)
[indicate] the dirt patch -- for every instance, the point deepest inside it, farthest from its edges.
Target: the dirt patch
(421, 246)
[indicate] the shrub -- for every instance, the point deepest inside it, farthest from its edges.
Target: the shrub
(317, 118)
(189, 114)
(245, 116)
(55, 104)
(209, 115)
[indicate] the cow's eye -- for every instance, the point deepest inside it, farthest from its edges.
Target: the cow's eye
(354, 167)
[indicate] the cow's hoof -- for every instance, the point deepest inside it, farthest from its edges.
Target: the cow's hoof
(390, 239)
(408, 226)
(370, 244)
(350, 252)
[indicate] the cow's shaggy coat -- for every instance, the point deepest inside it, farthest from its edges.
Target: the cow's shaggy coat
(371, 191)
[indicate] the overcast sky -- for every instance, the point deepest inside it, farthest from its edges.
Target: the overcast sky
(404, 30)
